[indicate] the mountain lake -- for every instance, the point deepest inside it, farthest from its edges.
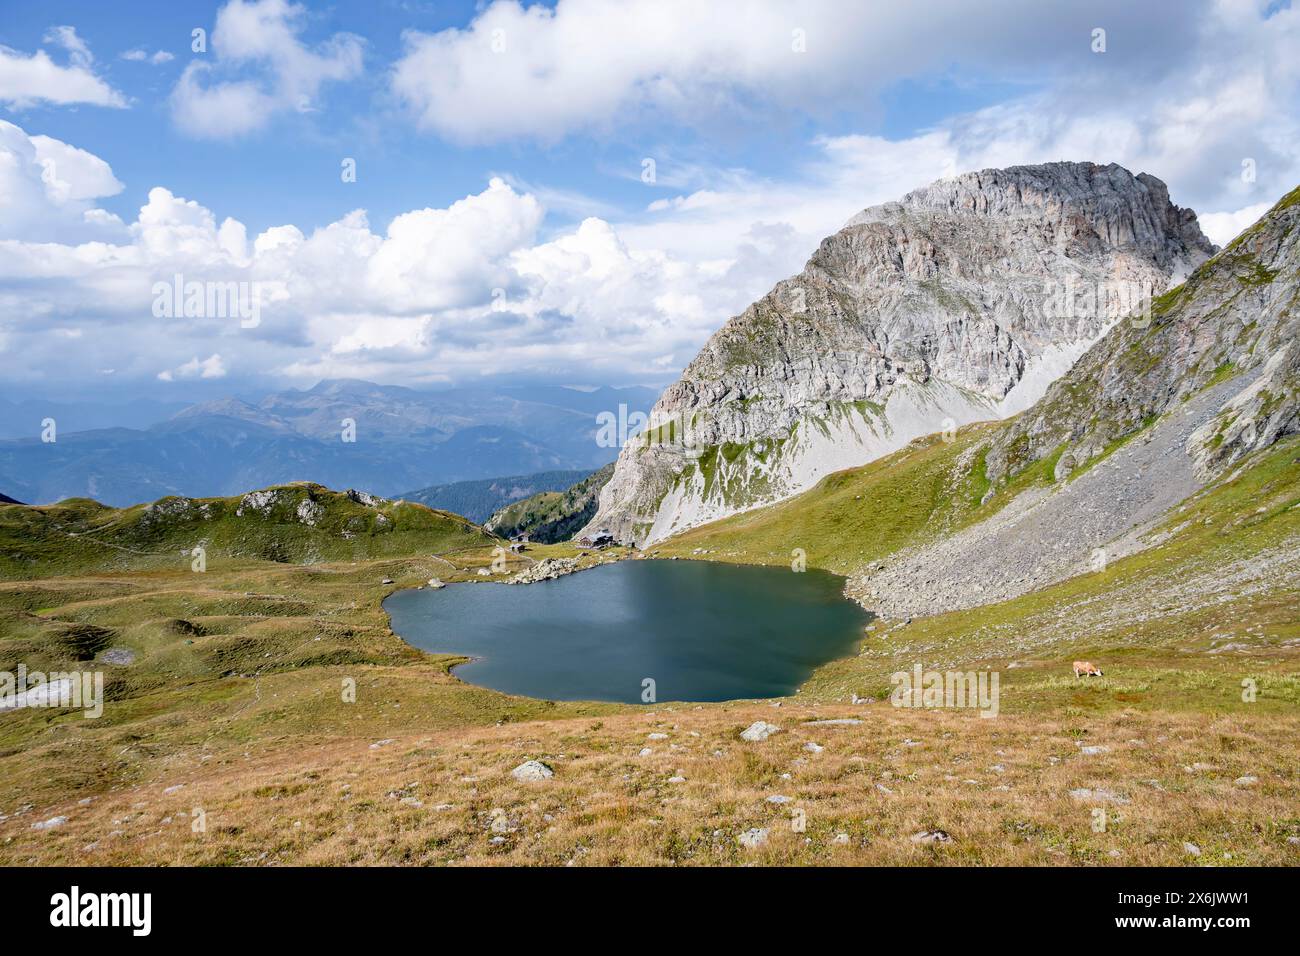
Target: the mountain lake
(701, 631)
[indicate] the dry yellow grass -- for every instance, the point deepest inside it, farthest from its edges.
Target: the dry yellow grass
(1000, 788)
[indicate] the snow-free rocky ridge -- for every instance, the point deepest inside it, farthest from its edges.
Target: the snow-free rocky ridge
(1148, 417)
(961, 302)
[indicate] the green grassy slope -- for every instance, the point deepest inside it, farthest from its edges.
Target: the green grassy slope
(553, 516)
(248, 658)
(295, 524)
(862, 514)
(1180, 624)
(1211, 601)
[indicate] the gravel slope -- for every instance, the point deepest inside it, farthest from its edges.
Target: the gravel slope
(1045, 536)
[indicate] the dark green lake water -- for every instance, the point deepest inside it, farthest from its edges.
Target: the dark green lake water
(701, 631)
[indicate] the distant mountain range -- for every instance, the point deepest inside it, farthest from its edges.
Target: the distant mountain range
(401, 438)
(22, 419)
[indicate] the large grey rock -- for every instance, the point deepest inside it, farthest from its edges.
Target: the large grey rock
(532, 770)
(548, 569)
(1097, 795)
(759, 730)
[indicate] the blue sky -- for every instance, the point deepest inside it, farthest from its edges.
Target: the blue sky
(506, 228)
(289, 172)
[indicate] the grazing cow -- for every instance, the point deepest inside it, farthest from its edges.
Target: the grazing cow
(1086, 669)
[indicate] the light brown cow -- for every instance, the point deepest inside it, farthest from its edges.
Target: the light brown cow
(1086, 669)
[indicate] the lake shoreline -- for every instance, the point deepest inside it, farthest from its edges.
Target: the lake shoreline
(716, 632)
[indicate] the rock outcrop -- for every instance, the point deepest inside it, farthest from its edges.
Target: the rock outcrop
(1155, 410)
(548, 569)
(1234, 318)
(961, 302)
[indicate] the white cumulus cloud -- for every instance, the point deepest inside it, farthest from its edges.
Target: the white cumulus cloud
(259, 67)
(450, 293)
(486, 285)
(31, 79)
(537, 72)
(48, 189)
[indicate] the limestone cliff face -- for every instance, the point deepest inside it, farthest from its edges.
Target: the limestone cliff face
(962, 301)
(1159, 408)
(1233, 320)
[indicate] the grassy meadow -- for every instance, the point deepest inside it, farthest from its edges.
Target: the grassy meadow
(268, 714)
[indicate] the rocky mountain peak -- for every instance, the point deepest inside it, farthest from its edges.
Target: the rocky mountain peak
(961, 301)
(1079, 202)
(1233, 320)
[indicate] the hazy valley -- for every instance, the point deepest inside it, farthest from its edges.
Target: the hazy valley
(384, 439)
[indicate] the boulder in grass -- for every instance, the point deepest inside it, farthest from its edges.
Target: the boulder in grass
(532, 770)
(758, 730)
